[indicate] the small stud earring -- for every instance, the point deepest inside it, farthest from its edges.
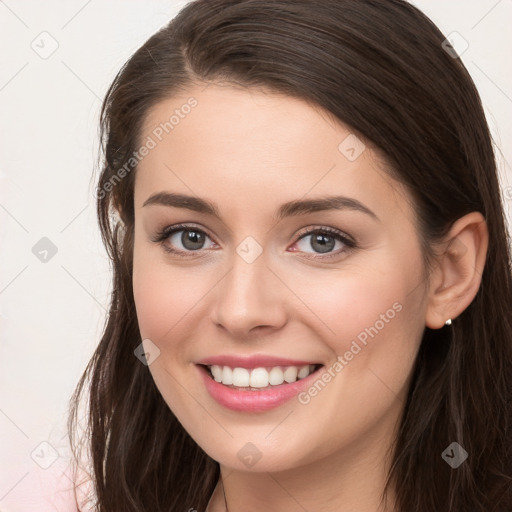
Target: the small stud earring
(448, 322)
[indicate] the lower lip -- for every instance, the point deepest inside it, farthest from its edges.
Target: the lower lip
(254, 401)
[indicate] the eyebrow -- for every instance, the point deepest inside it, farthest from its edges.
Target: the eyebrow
(289, 209)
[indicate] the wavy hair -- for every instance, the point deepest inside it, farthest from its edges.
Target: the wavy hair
(380, 68)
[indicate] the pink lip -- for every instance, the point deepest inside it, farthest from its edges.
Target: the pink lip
(254, 401)
(256, 361)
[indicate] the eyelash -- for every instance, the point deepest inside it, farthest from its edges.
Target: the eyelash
(161, 236)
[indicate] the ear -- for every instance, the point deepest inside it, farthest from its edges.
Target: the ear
(456, 278)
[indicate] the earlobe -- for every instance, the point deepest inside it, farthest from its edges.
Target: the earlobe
(458, 273)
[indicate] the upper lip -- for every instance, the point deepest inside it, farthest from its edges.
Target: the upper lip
(254, 361)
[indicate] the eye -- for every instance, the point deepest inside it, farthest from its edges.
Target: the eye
(190, 238)
(323, 239)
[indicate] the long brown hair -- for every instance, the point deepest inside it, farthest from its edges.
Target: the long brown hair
(379, 67)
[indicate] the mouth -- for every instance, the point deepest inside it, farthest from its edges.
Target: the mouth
(255, 390)
(261, 378)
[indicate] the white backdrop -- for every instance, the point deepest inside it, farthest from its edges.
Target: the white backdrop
(58, 59)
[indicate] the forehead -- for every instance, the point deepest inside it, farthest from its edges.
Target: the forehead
(244, 147)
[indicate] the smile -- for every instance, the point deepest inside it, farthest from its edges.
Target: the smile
(257, 389)
(257, 378)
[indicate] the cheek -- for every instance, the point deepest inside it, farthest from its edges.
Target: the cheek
(370, 315)
(160, 298)
(347, 304)
(152, 291)
(168, 298)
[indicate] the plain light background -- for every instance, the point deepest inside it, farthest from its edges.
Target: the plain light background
(52, 313)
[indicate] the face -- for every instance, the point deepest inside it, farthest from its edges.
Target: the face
(338, 285)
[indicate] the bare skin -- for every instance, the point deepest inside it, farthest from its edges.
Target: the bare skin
(250, 151)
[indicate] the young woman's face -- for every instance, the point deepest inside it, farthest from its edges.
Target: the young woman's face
(263, 280)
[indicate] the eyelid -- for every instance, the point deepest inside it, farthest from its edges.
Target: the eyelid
(310, 230)
(348, 242)
(163, 234)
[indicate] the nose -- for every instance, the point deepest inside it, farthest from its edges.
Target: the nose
(250, 299)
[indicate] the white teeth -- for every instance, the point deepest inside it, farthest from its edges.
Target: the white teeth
(275, 377)
(259, 377)
(290, 374)
(216, 372)
(227, 375)
(240, 377)
(303, 372)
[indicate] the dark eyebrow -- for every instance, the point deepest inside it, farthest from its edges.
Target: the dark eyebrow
(297, 207)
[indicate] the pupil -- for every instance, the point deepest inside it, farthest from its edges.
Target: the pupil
(192, 240)
(323, 245)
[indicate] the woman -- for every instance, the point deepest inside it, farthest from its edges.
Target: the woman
(312, 297)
